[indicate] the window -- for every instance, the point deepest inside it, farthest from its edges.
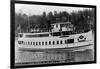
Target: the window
(31, 43)
(70, 40)
(36, 43)
(61, 42)
(28, 43)
(39, 43)
(64, 33)
(53, 42)
(45, 43)
(57, 42)
(42, 43)
(31, 36)
(20, 42)
(38, 35)
(49, 42)
(43, 35)
(56, 34)
(67, 33)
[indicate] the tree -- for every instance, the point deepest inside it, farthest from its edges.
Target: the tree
(44, 19)
(65, 16)
(51, 17)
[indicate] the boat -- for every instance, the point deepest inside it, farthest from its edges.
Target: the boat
(62, 36)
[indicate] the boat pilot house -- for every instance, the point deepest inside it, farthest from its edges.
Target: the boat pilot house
(66, 26)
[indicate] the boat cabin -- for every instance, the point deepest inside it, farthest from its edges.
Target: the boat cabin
(63, 26)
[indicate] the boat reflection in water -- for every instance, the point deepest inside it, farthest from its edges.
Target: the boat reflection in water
(29, 57)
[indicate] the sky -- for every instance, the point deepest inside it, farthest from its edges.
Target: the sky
(30, 9)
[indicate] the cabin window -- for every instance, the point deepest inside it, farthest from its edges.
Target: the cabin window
(70, 41)
(31, 43)
(53, 42)
(29, 36)
(49, 42)
(20, 42)
(42, 43)
(61, 42)
(28, 43)
(38, 35)
(67, 33)
(45, 43)
(43, 35)
(39, 43)
(56, 34)
(64, 33)
(57, 42)
(36, 43)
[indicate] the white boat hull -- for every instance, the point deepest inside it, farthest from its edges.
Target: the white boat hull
(72, 47)
(28, 43)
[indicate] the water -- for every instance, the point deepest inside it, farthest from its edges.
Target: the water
(30, 57)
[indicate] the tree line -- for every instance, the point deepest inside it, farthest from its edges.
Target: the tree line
(83, 19)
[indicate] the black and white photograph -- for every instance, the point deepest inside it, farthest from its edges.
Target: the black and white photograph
(53, 34)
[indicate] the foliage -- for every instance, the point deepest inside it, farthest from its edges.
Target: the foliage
(81, 20)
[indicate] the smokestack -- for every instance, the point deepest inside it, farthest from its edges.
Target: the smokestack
(49, 25)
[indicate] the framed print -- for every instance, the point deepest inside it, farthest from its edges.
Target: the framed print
(50, 34)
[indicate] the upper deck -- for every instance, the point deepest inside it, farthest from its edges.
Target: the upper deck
(62, 26)
(57, 29)
(51, 34)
